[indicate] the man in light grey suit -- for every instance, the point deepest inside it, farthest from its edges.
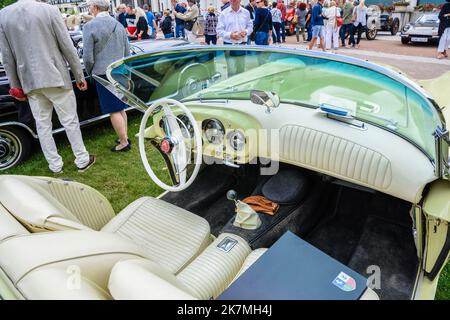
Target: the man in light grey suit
(36, 48)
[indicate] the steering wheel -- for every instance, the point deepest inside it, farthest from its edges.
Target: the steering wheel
(176, 144)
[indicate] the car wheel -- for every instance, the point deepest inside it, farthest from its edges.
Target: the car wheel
(395, 26)
(15, 146)
(405, 40)
(371, 33)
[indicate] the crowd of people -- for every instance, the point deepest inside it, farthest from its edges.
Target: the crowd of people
(327, 22)
(331, 24)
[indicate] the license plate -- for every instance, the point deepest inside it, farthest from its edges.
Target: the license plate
(414, 39)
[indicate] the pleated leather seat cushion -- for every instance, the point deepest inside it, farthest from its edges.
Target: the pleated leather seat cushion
(205, 277)
(169, 235)
(214, 269)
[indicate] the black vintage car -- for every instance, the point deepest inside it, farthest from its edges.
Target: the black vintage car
(17, 126)
(389, 23)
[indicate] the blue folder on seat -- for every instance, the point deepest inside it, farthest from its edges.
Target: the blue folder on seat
(292, 269)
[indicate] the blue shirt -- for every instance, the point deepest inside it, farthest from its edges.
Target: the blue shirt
(316, 15)
(123, 19)
(180, 9)
(263, 20)
(150, 19)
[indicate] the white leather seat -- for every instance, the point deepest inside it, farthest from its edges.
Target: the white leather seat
(167, 234)
(100, 265)
(85, 264)
(205, 277)
(150, 250)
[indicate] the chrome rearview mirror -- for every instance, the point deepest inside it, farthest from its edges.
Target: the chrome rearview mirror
(265, 98)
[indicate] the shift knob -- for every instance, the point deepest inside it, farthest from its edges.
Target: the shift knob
(232, 195)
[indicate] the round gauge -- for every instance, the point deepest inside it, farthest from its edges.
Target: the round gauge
(187, 124)
(214, 131)
(183, 122)
(237, 140)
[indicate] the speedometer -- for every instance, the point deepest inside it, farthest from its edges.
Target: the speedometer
(214, 131)
(236, 139)
(183, 122)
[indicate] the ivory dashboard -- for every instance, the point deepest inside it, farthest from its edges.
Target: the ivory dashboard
(228, 135)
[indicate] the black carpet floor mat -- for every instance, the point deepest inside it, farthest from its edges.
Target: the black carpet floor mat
(388, 246)
(367, 229)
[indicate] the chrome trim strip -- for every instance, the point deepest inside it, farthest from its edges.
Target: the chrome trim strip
(89, 121)
(14, 123)
(59, 130)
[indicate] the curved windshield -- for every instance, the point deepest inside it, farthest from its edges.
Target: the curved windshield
(306, 81)
(430, 18)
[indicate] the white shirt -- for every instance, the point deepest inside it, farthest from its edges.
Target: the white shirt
(331, 13)
(234, 21)
(276, 15)
(360, 15)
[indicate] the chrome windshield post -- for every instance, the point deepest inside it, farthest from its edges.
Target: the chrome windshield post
(442, 140)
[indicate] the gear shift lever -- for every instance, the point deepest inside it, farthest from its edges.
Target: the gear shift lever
(232, 195)
(246, 217)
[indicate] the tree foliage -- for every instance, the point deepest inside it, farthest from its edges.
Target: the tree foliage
(4, 3)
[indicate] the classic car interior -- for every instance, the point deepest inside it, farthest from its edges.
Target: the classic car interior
(315, 146)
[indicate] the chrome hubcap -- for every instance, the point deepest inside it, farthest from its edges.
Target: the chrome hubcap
(9, 149)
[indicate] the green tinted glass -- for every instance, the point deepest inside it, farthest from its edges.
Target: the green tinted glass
(217, 73)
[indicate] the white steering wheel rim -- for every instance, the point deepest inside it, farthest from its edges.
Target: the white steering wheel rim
(197, 140)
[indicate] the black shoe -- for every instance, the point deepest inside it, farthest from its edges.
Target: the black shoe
(124, 149)
(118, 141)
(92, 159)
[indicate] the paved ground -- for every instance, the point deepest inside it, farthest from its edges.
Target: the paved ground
(418, 61)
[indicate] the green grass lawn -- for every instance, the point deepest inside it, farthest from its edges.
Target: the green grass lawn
(121, 177)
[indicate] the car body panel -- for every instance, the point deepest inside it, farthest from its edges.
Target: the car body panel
(437, 202)
(438, 88)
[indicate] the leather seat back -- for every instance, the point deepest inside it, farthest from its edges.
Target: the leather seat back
(47, 204)
(9, 227)
(35, 208)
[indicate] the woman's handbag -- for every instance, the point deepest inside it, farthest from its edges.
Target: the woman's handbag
(295, 19)
(188, 25)
(339, 20)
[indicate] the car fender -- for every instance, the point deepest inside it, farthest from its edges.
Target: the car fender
(19, 124)
(438, 89)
